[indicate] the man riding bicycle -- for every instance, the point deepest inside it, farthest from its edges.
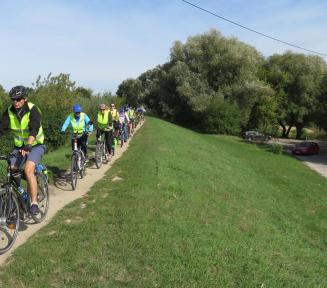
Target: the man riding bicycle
(23, 118)
(81, 125)
(104, 121)
(131, 115)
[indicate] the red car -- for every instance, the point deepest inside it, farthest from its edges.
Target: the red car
(306, 148)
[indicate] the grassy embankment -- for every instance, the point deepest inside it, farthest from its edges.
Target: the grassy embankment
(189, 210)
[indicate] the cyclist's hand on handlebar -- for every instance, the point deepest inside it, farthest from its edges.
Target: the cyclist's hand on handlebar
(26, 149)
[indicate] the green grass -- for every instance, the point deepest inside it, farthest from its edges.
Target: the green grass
(190, 210)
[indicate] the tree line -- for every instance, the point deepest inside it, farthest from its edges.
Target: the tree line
(212, 83)
(222, 85)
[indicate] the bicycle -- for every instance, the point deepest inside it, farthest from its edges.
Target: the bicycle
(77, 163)
(101, 151)
(14, 206)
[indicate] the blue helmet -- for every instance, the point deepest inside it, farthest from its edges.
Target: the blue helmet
(77, 108)
(121, 110)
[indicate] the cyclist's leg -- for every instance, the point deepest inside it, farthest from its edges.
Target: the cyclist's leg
(33, 158)
(81, 142)
(98, 134)
(125, 130)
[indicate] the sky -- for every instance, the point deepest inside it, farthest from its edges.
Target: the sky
(100, 43)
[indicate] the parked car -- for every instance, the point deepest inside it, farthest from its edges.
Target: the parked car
(306, 148)
(255, 136)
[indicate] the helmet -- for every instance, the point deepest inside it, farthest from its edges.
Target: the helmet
(18, 92)
(103, 107)
(121, 110)
(77, 108)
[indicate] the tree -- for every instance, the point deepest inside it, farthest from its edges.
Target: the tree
(131, 90)
(297, 80)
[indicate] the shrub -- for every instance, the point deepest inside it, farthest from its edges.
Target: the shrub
(276, 148)
(221, 118)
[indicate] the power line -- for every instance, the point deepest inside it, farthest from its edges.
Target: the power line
(252, 30)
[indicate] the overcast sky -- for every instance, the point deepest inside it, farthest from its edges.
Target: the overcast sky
(102, 42)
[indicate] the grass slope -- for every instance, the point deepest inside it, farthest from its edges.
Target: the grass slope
(190, 210)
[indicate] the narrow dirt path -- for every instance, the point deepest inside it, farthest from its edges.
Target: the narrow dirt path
(61, 195)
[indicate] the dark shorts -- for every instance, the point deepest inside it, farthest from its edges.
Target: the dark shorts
(35, 156)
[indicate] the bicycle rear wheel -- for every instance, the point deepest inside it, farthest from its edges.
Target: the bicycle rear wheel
(9, 219)
(73, 172)
(43, 197)
(98, 155)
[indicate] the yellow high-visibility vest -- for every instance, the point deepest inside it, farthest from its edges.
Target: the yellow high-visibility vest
(77, 128)
(21, 130)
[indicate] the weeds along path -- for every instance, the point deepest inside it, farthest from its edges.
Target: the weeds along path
(61, 194)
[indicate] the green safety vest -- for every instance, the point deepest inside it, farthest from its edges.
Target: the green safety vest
(77, 128)
(21, 130)
(115, 115)
(103, 119)
(130, 113)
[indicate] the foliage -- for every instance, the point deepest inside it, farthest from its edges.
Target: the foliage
(131, 90)
(276, 148)
(221, 118)
(210, 68)
(297, 79)
(54, 95)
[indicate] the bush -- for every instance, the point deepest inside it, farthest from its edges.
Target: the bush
(222, 118)
(276, 148)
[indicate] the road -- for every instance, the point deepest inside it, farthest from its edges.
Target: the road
(316, 162)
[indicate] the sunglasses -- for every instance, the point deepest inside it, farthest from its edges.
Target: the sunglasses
(102, 109)
(17, 99)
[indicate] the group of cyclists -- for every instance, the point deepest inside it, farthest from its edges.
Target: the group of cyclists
(110, 122)
(23, 119)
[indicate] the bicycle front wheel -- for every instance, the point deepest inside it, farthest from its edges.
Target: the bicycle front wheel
(43, 198)
(98, 155)
(82, 165)
(74, 170)
(9, 219)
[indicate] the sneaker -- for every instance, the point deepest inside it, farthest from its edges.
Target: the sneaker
(34, 209)
(86, 159)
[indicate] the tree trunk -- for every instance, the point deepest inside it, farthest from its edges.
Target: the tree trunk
(299, 130)
(289, 130)
(284, 129)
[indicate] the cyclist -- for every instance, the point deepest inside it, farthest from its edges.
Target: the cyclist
(123, 122)
(81, 125)
(23, 118)
(115, 118)
(131, 116)
(105, 126)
